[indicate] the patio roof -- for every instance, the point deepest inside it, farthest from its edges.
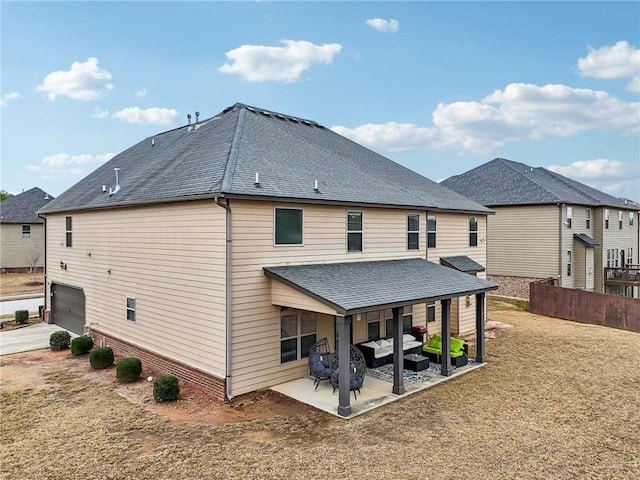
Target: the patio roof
(462, 263)
(586, 239)
(356, 287)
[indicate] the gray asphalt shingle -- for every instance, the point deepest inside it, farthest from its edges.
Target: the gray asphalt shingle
(462, 263)
(22, 208)
(586, 239)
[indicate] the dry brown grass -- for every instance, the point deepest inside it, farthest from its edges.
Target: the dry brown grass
(19, 283)
(557, 400)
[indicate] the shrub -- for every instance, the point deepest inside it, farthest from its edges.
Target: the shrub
(80, 345)
(59, 340)
(166, 388)
(128, 369)
(22, 317)
(101, 357)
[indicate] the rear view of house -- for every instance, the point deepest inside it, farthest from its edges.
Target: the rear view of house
(22, 231)
(223, 250)
(547, 225)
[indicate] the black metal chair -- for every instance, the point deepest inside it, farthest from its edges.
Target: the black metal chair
(321, 361)
(357, 369)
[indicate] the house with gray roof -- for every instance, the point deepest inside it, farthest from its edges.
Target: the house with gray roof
(547, 225)
(224, 249)
(22, 231)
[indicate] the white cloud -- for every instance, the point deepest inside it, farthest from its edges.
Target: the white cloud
(99, 113)
(620, 61)
(519, 112)
(153, 116)
(84, 81)
(9, 97)
(259, 63)
(141, 93)
(381, 25)
(64, 164)
(598, 168)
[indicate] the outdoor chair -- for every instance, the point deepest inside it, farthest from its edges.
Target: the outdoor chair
(357, 370)
(321, 361)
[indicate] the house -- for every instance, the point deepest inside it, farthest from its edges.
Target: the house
(22, 231)
(547, 225)
(222, 250)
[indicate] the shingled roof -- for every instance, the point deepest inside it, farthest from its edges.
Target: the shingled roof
(221, 156)
(22, 208)
(504, 182)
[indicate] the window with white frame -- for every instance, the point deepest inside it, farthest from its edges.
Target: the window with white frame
(298, 333)
(569, 263)
(620, 220)
(431, 312)
(473, 231)
(608, 258)
(606, 218)
(413, 231)
(373, 325)
(26, 231)
(569, 216)
(432, 221)
(354, 231)
(131, 309)
(288, 224)
(630, 218)
(587, 214)
(616, 257)
(630, 256)
(68, 231)
(407, 320)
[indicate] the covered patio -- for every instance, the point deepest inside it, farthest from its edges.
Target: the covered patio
(347, 289)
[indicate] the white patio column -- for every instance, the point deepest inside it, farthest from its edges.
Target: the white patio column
(445, 357)
(398, 360)
(344, 360)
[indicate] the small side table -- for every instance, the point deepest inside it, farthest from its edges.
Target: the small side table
(415, 362)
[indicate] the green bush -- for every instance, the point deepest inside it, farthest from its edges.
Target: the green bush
(166, 388)
(80, 345)
(22, 317)
(101, 357)
(59, 340)
(128, 369)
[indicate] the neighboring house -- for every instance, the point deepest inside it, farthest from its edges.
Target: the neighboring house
(22, 231)
(547, 225)
(223, 250)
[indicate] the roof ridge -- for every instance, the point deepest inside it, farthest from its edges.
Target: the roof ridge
(230, 167)
(563, 180)
(528, 178)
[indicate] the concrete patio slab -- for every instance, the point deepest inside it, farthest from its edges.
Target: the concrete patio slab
(33, 337)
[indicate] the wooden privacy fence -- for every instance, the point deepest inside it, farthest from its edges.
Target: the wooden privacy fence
(586, 307)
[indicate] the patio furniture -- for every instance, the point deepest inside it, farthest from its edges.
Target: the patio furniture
(415, 362)
(380, 352)
(457, 350)
(321, 361)
(357, 368)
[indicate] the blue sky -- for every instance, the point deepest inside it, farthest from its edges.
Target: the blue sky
(440, 87)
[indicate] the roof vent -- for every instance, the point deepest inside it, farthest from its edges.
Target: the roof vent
(197, 116)
(188, 119)
(315, 186)
(153, 142)
(117, 187)
(257, 182)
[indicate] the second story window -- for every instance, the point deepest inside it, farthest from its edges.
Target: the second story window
(569, 216)
(413, 231)
(620, 220)
(288, 226)
(630, 218)
(587, 219)
(68, 232)
(473, 231)
(354, 231)
(26, 231)
(606, 218)
(431, 231)
(569, 263)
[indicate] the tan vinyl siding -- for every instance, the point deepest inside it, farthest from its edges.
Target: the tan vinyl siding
(16, 251)
(324, 237)
(285, 295)
(523, 241)
(170, 258)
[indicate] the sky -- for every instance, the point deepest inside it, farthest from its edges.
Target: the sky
(439, 87)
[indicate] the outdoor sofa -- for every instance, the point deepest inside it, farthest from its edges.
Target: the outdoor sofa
(457, 350)
(380, 352)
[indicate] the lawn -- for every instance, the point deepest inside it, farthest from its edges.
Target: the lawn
(557, 400)
(20, 283)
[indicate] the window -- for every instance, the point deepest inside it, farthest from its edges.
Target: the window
(606, 218)
(608, 258)
(431, 231)
(615, 257)
(569, 263)
(620, 220)
(373, 326)
(588, 218)
(569, 216)
(630, 256)
(131, 309)
(630, 218)
(473, 231)
(69, 232)
(431, 312)
(407, 320)
(298, 332)
(288, 226)
(354, 231)
(26, 231)
(413, 231)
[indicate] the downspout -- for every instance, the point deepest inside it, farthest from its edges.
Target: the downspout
(228, 298)
(560, 205)
(44, 268)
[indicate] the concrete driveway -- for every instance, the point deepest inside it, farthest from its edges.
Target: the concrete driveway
(33, 337)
